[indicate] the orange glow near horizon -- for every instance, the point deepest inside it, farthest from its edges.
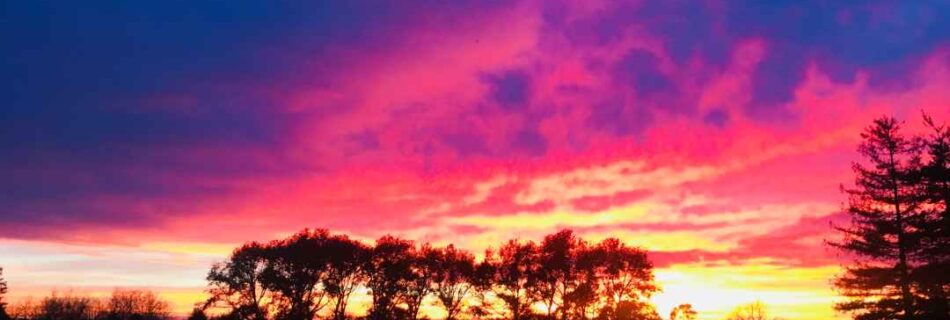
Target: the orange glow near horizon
(712, 288)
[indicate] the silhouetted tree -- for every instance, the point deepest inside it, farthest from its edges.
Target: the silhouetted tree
(3, 292)
(932, 275)
(389, 269)
(294, 278)
(237, 283)
(452, 273)
(347, 270)
(683, 312)
(886, 210)
(197, 314)
(487, 304)
(631, 310)
(122, 305)
(419, 283)
(510, 274)
(751, 311)
(135, 305)
(625, 274)
(67, 307)
(295, 271)
(581, 301)
(24, 309)
(560, 276)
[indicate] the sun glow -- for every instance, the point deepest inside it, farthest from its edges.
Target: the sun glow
(715, 288)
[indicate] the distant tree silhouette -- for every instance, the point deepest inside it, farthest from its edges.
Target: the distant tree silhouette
(389, 271)
(295, 272)
(122, 305)
(135, 305)
(452, 277)
(238, 284)
(3, 293)
(631, 310)
(198, 314)
(751, 311)
(24, 309)
(347, 261)
(62, 307)
(887, 210)
(683, 312)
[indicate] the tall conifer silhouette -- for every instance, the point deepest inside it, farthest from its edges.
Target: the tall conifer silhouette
(885, 207)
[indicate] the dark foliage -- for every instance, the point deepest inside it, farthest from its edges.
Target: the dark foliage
(295, 271)
(197, 314)
(899, 226)
(134, 305)
(347, 271)
(297, 277)
(683, 312)
(122, 305)
(3, 291)
(390, 270)
(933, 275)
(452, 274)
(238, 283)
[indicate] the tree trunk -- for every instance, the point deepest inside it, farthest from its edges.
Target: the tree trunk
(901, 254)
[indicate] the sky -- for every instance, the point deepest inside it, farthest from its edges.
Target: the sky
(143, 141)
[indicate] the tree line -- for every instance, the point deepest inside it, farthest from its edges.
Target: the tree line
(121, 305)
(899, 230)
(314, 273)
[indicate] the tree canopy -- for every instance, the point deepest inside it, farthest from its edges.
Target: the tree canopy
(898, 233)
(563, 277)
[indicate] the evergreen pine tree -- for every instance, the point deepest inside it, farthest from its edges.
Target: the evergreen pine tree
(885, 207)
(933, 276)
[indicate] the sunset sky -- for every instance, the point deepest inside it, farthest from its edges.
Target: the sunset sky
(142, 141)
